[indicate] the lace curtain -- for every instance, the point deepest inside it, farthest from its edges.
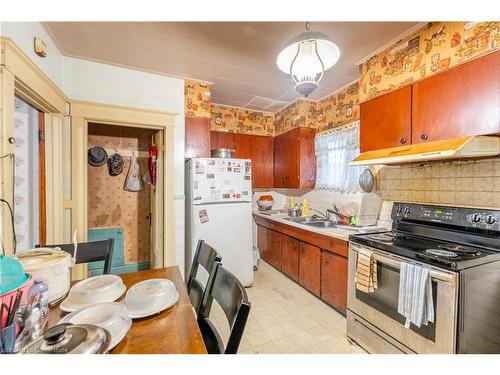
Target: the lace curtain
(334, 151)
(26, 209)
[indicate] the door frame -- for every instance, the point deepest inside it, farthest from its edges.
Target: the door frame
(82, 113)
(20, 77)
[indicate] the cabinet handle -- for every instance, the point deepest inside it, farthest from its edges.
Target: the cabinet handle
(424, 136)
(402, 140)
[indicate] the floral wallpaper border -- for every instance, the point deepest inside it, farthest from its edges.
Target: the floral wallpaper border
(237, 120)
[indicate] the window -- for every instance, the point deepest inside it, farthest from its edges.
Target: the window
(29, 198)
(334, 151)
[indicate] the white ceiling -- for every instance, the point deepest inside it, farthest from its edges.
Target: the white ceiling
(239, 58)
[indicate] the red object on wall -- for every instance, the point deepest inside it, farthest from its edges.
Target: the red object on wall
(152, 157)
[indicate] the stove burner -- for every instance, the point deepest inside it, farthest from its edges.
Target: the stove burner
(441, 253)
(383, 237)
(462, 250)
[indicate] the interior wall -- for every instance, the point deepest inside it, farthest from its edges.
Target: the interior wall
(464, 183)
(109, 205)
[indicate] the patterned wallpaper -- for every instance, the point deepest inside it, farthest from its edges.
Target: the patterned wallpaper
(435, 47)
(196, 99)
(339, 108)
(236, 120)
(301, 113)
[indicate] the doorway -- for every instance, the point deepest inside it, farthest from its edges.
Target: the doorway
(117, 209)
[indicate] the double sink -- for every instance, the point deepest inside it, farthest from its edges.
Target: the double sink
(312, 221)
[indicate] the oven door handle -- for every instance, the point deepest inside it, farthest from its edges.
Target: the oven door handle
(395, 263)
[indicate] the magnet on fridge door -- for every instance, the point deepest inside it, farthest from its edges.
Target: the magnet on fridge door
(203, 216)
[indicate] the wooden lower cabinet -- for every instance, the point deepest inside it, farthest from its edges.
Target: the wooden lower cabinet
(274, 249)
(290, 248)
(262, 242)
(322, 269)
(334, 280)
(309, 267)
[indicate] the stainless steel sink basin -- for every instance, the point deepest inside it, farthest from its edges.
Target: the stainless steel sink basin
(303, 219)
(322, 224)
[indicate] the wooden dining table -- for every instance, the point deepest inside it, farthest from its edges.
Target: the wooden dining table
(173, 331)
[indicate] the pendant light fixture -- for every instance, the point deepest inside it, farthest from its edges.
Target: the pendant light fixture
(306, 57)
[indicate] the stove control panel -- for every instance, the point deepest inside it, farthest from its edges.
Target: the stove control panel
(459, 216)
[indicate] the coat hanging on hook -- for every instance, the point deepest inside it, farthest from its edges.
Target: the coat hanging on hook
(133, 181)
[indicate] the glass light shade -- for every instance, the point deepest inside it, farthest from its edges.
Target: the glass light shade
(307, 65)
(327, 51)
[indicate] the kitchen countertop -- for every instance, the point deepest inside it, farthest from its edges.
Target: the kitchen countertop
(341, 234)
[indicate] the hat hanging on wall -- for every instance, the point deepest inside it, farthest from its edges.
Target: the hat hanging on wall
(115, 164)
(97, 156)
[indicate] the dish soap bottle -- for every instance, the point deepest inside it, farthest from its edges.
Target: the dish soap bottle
(292, 203)
(305, 208)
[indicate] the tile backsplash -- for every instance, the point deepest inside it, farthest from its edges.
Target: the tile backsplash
(462, 183)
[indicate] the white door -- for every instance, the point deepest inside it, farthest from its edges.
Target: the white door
(227, 227)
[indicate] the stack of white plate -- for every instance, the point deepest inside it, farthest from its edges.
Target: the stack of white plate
(97, 289)
(150, 297)
(112, 316)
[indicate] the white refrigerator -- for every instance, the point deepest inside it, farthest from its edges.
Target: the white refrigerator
(219, 211)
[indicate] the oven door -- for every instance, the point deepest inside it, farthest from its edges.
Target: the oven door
(379, 308)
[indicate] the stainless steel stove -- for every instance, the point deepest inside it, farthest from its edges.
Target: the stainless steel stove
(461, 247)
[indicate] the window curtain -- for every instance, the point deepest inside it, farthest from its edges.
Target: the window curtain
(26, 176)
(334, 151)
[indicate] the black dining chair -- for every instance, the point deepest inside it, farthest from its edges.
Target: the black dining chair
(228, 292)
(93, 251)
(205, 256)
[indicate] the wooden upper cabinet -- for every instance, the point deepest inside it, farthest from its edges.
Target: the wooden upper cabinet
(260, 149)
(294, 159)
(197, 137)
(386, 120)
(290, 257)
(464, 100)
(221, 140)
(309, 267)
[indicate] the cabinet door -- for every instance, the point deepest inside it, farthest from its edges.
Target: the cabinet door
(291, 162)
(386, 121)
(262, 161)
(214, 142)
(197, 137)
(334, 280)
(263, 242)
(274, 249)
(461, 101)
(290, 257)
(279, 160)
(307, 158)
(309, 267)
(225, 140)
(242, 146)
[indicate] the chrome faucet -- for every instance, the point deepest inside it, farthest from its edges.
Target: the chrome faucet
(325, 215)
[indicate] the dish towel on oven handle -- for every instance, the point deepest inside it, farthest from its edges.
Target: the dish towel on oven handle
(415, 295)
(366, 271)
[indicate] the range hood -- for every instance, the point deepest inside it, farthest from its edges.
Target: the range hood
(456, 148)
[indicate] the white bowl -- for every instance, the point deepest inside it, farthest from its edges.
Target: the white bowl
(112, 316)
(97, 289)
(266, 205)
(150, 296)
